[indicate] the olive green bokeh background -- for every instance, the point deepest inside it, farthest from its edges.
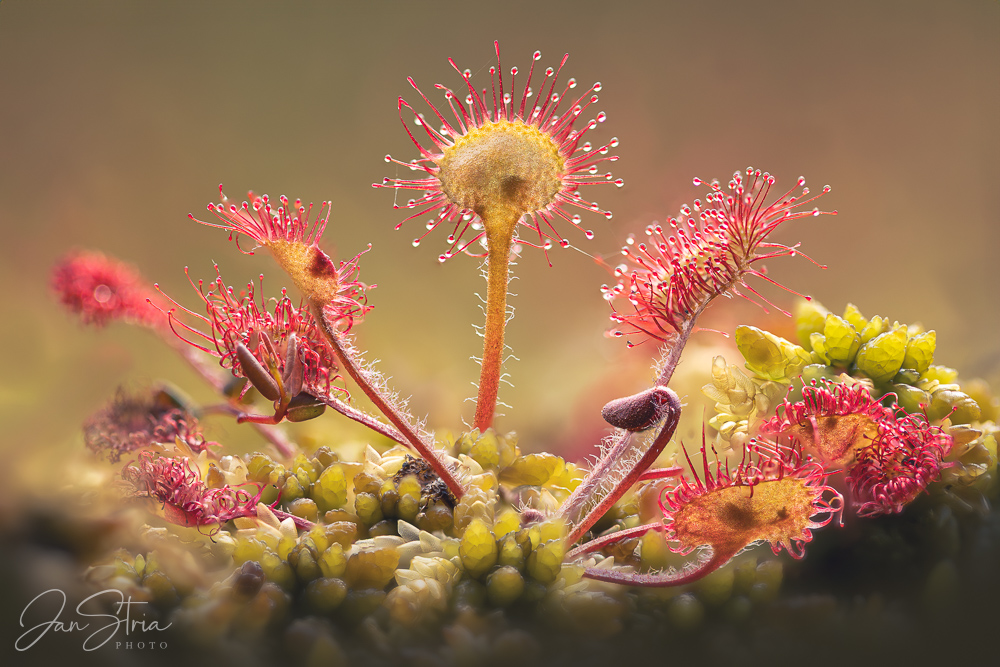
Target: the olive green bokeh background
(117, 119)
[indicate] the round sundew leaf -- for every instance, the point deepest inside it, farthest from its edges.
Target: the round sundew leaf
(776, 511)
(503, 164)
(774, 495)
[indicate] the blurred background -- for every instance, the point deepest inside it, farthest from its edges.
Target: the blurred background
(119, 118)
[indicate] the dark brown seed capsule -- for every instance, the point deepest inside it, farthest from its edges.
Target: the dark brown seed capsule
(259, 377)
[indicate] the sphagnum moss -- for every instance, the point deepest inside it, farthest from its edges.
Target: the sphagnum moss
(461, 548)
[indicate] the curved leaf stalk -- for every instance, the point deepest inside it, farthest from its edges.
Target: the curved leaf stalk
(388, 406)
(658, 579)
(622, 464)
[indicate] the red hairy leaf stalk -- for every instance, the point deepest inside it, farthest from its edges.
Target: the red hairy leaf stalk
(497, 276)
(370, 386)
(599, 543)
(710, 561)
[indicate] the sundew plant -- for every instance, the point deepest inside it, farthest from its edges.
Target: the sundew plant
(467, 546)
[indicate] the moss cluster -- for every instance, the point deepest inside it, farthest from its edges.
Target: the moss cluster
(392, 555)
(897, 363)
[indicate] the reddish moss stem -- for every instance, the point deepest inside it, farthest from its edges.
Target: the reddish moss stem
(365, 419)
(385, 406)
(497, 270)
